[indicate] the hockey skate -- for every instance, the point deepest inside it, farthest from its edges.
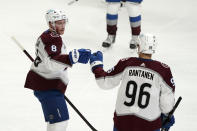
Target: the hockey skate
(133, 43)
(109, 41)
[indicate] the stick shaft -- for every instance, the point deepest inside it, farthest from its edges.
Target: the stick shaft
(171, 113)
(71, 2)
(82, 117)
(21, 47)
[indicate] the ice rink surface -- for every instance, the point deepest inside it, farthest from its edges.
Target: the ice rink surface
(173, 22)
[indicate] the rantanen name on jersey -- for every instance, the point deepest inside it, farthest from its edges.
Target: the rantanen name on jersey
(141, 73)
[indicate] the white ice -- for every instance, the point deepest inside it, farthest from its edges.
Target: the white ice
(173, 21)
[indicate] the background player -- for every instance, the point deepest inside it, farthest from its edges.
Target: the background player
(146, 88)
(134, 11)
(48, 74)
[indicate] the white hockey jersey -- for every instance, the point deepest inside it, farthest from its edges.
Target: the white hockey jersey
(146, 90)
(49, 69)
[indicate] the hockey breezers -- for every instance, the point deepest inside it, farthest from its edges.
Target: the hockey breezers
(66, 98)
(171, 113)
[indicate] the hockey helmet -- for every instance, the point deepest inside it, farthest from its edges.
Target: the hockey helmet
(53, 15)
(148, 43)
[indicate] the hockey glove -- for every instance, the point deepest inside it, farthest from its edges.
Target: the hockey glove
(169, 123)
(80, 55)
(96, 60)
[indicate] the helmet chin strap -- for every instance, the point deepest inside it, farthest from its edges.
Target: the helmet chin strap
(53, 27)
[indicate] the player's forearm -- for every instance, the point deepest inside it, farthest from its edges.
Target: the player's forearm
(105, 80)
(167, 102)
(99, 72)
(56, 63)
(62, 59)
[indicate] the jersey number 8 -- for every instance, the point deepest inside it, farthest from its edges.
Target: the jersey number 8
(142, 93)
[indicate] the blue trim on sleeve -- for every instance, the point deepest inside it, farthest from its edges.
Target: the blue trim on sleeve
(112, 17)
(135, 19)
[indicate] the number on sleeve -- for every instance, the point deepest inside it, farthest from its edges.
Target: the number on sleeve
(37, 60)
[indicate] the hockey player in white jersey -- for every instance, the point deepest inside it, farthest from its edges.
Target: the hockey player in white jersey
(134, 12)
(48, 74)
(146, 92)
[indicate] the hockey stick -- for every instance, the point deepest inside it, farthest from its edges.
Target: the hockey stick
(71, 104)
(72, 2)
(171, 113)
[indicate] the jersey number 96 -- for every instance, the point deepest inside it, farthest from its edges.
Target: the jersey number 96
(142, 94)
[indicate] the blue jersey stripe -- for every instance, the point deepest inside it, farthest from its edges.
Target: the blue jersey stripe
(135, 19)
(136, 1)
(112, 17)
(113, 0)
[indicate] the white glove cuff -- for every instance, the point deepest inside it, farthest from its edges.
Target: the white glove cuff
(95, 63)
(75, 55)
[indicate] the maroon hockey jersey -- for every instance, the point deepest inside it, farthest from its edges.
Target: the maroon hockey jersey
(49, 69)
(146, 89)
